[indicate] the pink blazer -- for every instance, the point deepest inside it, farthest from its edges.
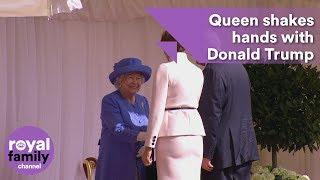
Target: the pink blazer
(177, 84)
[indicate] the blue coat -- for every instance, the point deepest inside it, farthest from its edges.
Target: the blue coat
(121, 123)
(225, 109)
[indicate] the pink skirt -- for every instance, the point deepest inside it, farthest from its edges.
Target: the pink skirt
(179, 157)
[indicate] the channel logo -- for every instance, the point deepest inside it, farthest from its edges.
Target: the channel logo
(29, 150)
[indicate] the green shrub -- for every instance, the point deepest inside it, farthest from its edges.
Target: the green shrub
(285, 107)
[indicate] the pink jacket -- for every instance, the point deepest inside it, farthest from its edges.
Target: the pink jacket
(177, 84)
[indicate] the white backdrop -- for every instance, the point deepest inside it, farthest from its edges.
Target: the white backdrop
(54, 73)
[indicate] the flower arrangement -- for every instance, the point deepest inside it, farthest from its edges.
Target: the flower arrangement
(267, 173)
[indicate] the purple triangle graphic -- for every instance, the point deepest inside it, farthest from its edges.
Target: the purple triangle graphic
(197, 31)
(170, 48)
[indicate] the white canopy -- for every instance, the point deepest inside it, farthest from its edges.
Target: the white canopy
(23, 8)
(9, 8)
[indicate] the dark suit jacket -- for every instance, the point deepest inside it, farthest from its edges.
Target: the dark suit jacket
(225, 109)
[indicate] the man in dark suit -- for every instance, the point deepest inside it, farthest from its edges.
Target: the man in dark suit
(225, 107)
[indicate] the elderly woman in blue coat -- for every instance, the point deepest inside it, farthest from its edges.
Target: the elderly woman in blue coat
(124, 116)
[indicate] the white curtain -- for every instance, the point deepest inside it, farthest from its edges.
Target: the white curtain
(53, 74)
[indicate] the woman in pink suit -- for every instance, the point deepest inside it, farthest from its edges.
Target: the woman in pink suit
(175, 127)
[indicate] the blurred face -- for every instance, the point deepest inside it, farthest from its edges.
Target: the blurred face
(131, 83)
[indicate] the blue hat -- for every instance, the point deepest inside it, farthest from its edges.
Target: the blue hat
(128, 65)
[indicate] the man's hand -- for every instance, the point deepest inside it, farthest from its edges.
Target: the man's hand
(146, 156)
(206, 164)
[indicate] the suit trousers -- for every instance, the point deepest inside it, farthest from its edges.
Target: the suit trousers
(241, 172)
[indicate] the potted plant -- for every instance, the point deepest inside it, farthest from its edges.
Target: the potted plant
(286, 107)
